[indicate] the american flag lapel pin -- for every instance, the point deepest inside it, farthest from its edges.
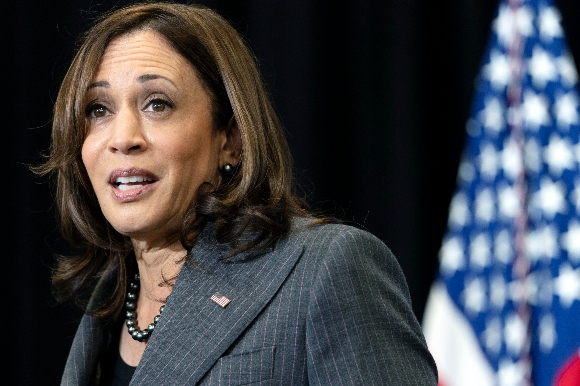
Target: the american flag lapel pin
(220, 299)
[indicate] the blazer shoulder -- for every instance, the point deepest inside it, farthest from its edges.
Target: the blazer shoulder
(344, 247)
(360, 315)
(328, 235)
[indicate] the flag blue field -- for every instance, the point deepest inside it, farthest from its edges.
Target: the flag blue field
(505, 308)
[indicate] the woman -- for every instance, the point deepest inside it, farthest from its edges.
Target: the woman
(199, 265)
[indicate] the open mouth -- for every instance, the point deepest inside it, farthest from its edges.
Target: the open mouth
(132, 182)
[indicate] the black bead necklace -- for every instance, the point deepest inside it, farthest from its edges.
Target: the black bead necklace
(131, 306)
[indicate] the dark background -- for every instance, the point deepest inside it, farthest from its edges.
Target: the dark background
(374, 95)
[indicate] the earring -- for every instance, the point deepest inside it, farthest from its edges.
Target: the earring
(227, 169)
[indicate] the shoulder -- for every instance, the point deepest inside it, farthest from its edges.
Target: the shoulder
(338, 240)
(359, 311)
(339, 249)
(306, 231)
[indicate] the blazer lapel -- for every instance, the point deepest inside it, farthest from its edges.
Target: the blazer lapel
(194, 331)
(91, 339)
(83, 359)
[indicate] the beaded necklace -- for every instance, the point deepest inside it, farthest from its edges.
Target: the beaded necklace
(131, 306)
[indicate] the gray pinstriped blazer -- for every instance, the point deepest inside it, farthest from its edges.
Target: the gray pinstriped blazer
(328, 306)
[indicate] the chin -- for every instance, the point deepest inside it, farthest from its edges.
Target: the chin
(150, 233)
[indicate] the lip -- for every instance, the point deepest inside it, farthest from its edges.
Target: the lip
(131, 194)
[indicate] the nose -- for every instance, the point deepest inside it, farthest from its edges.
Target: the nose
(127, 133)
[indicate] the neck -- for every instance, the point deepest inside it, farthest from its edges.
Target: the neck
(158, 268)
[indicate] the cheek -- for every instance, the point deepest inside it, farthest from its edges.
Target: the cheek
(195, 159)
(91, 159)
(192, 164)
(89, 156)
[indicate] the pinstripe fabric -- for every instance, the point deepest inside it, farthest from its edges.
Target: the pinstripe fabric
(328, 306)
(83, 358)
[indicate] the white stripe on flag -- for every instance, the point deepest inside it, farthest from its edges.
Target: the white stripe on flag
(453, 344)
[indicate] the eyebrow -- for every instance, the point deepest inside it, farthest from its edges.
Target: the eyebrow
(141, 79)
(147, 77)
(101, 83)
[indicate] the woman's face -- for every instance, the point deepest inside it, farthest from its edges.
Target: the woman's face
(150, 141)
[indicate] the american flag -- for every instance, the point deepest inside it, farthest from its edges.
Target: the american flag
(505, 308)
(220, 299)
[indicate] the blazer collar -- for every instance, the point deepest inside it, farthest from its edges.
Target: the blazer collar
(194, 331)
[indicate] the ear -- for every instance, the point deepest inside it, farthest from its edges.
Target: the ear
(232, 145)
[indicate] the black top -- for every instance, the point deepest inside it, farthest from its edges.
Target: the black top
(122, 372)
(114, 370)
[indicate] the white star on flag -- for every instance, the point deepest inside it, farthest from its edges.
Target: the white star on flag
(522, 18)
(532, 155)
(571, 241)
(509, 203)
(492, 116)
(511, 159)
(497, 292)
(514, 334)
(567, 285)
(503, 249)
(498, 70)
(492, 336)
(550, 198)
(474, 296)
(542, 68)
(542, 243)
(489, 161)
(452, 256)
(535, 108)
(575, 196)
(558, 155)
(567, 70)
(484, 206)
(479, 251)
(547, 332)
(459, 212)
(549, 21)
(566, 110)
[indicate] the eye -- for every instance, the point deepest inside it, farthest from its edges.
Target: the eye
(158, 105)
(96, 111)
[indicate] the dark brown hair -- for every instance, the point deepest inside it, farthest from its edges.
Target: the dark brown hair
(258, 199)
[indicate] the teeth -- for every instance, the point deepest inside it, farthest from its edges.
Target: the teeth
(126, 180)
(128, 187)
